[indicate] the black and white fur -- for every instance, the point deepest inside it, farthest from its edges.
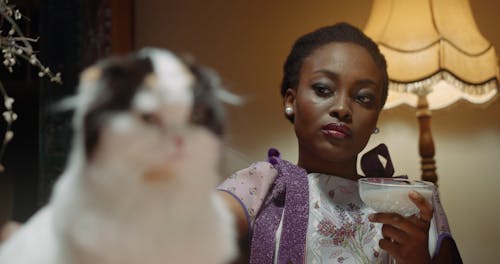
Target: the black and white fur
(139, 184)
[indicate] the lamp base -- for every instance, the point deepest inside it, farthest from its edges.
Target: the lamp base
(429, 170)
(425, 142)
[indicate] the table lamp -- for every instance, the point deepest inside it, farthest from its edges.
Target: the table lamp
(436, 57)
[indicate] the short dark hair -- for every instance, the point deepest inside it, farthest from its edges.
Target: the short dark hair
(340, 32)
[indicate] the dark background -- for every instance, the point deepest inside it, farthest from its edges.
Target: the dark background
(72, 35)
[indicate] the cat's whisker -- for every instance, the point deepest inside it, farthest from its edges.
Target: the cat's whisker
(66, 104)
(229, 97)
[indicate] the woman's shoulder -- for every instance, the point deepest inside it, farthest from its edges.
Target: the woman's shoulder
(250, 187)
(260, 169)
(257, 174)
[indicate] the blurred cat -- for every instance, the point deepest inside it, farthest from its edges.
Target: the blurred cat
(139, 186)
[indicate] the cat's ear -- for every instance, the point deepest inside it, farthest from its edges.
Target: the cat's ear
(209, 77)
(88, 79)
(90, 82)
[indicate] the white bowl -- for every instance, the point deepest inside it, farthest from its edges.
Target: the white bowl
(391, 194)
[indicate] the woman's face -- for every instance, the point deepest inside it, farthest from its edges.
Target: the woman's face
(336, 104)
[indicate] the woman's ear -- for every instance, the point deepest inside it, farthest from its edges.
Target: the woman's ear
(289, 98)
(289, 104)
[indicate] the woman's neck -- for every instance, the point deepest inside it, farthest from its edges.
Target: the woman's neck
(343, 169)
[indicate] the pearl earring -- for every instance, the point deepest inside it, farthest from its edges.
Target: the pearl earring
(288, 110)
(376, 130)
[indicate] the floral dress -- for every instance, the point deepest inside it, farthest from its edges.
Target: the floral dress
(338, 228)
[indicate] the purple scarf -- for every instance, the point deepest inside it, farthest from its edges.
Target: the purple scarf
(291, 188)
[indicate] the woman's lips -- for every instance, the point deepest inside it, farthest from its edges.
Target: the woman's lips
(336, 130)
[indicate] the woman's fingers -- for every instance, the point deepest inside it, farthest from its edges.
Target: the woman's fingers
(406, 238)
(395, 220)
(393, 234)
(425, 208)
(422, 204)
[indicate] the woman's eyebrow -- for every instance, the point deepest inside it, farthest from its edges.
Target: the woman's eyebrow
(335, 75)
(327, 72)
(367, 81)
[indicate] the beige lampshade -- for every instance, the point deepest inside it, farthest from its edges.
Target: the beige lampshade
(433, 47)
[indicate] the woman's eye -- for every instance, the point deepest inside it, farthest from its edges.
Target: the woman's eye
(364, 98)
(321, 89)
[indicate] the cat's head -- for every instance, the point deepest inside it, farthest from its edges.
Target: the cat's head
(139, 107)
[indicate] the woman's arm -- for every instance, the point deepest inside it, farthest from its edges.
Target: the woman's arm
(244, 193)
(445, 255)
(238, 213)
(242, 226)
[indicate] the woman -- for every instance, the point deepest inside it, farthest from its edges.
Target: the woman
(334, 88)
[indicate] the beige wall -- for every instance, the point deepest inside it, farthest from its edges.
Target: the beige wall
(247, 41)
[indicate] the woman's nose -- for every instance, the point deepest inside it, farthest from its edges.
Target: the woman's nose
(341, 108)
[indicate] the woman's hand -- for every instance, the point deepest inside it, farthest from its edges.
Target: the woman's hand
(407, 238)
